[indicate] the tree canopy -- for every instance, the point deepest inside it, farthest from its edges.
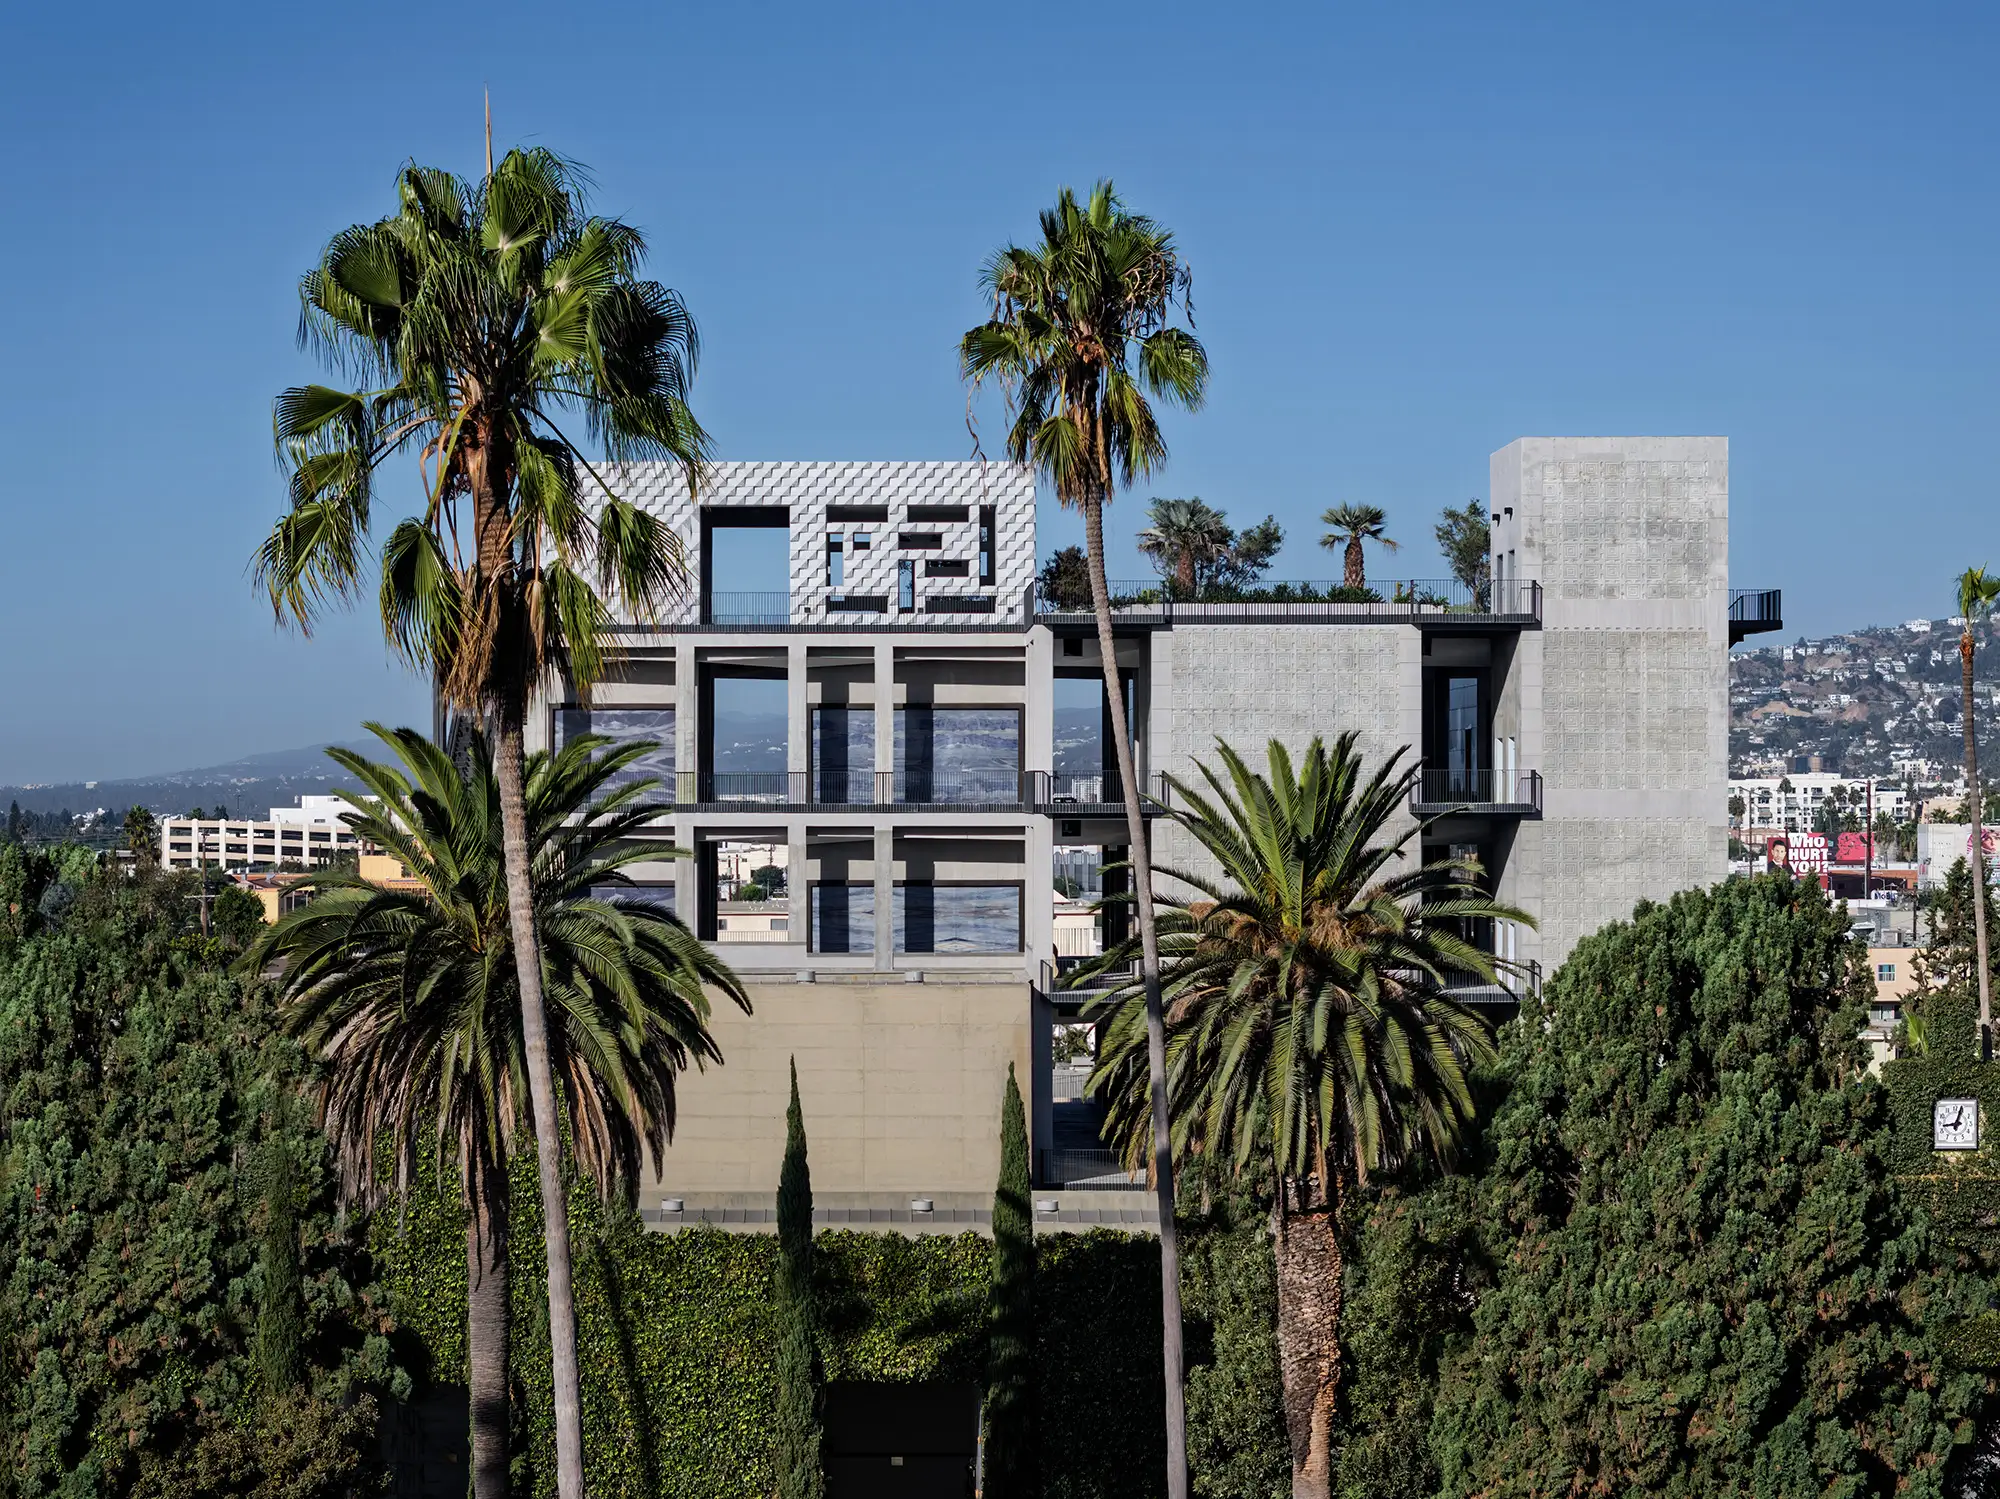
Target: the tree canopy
(1702, 1280)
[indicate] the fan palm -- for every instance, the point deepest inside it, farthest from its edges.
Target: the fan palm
(142, 835)
(494, 320)
(1976, 596)
(1185, 539)
(1348, 527)
(409, 997)
(1081, 335)
(1310, 1023)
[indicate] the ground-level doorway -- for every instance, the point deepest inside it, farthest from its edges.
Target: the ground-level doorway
(901, 1441)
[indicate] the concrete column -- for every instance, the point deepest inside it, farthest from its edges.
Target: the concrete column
(798, 721)
(796, 901)
(1038, 703)
(687, 711)
(885, 705)
(885, 894)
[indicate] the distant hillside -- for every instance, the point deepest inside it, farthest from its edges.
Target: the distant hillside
(1881, 701)
(252, 784)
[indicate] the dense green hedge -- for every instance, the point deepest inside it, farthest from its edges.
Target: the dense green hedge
(678, 1336)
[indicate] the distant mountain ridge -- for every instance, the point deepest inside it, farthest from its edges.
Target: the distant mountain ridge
(250, 785)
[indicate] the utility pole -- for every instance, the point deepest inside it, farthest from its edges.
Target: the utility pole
(1868, 872)
(201, 855)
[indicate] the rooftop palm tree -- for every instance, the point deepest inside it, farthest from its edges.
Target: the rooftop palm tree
(409, 998)
(1082, 333)
(1185, 539)
(1977, 594)
(1311, 1026)
(495, 321)
(1349, 526)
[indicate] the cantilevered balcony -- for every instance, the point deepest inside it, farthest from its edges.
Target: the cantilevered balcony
(1487, 793)
(1754, 611)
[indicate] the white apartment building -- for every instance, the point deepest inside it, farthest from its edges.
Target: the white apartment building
(306, 834)
(1791, 804)
(1571, 721)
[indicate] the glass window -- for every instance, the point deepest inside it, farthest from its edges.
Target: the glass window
(652, 895)
(957, 918)
(835, 573)
(958, 754)
(861, 541)
(624, 726)
(842, 917)
(1885, 973)
(906, 585)
(986, 545)
(843, 755)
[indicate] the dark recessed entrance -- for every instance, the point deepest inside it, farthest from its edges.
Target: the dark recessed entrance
(901, 1441)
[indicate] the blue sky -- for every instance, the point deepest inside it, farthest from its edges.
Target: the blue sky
(1417, 232)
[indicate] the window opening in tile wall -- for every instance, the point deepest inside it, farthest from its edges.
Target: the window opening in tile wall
(986, 539)
(624, 726)
(937, 512)
(959, 603)
(836, 572)
(746, 566)
(877, 513)
(751, 883)
(920, 541)
(842, 915)
(861, 541)
(939, 568)
(906, 585)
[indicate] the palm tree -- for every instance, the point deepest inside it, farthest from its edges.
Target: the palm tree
(1185, 539)
(493, 318)
(410, 1000)
(1976, 596)
(1350, 525)
(1313, 1030)
(142, 835)
(1081, 334)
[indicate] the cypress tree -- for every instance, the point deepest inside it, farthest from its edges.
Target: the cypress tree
(281, 1298)
(1010, 1459)
(796, 1428)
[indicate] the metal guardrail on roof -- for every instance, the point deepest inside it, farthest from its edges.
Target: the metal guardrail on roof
(1438, 601)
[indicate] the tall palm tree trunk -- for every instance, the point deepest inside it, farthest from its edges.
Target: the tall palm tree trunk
(1156, 1031)
(1306, 1247)
(507, 763)
(1356, 568)
(486, 1255)
(1977, 852)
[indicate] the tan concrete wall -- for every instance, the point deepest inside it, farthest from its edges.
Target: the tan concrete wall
(900, 1085)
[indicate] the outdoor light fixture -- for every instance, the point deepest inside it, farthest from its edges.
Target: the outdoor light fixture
(673, 1205)
(920, 1204)
(1046, 1205)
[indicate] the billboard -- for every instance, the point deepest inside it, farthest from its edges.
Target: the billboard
(1797, 853)
(1851, 848)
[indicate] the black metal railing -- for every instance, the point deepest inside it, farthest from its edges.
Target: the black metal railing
(1519, 791)
(1062, 978)
(1087, 1171)
(1035, 789)
(1164, 600)
(1755, 606)
(746, 609)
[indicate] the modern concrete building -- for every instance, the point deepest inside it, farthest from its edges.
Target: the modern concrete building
(1571, 718)
(301, 836)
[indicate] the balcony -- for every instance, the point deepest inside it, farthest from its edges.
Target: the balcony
(1432, 603)
(1755, 611)
(1482, 792)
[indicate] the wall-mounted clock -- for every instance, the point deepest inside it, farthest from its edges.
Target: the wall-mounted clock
(1955, 1124)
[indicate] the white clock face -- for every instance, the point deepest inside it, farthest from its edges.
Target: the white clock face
(1955, 1124)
